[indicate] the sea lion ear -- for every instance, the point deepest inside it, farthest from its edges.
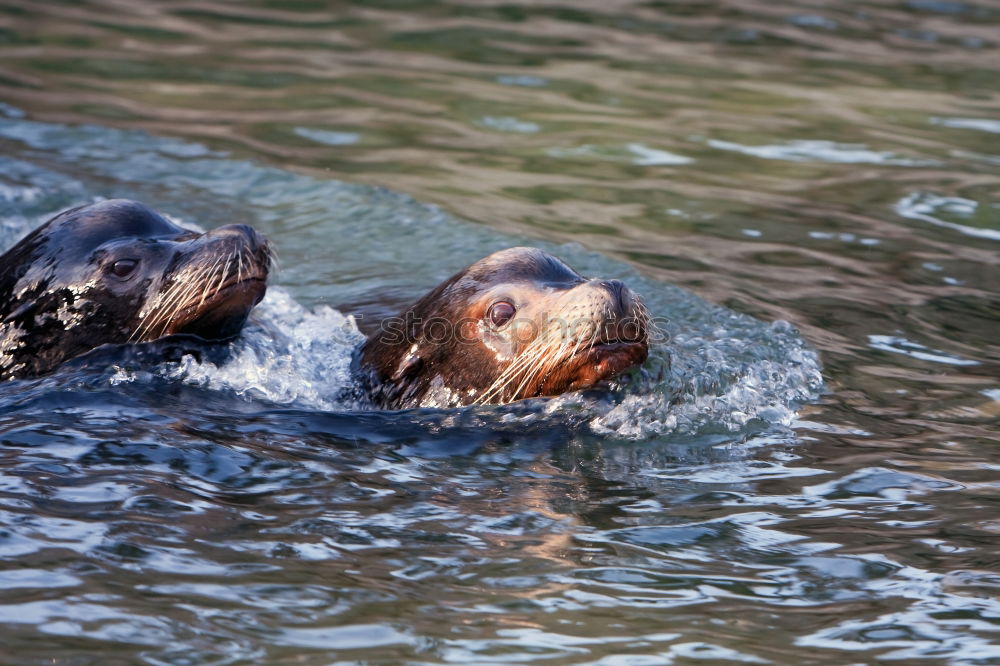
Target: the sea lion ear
(409, 366)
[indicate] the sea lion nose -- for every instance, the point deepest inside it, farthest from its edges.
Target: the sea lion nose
(243, 232)
(620, 294)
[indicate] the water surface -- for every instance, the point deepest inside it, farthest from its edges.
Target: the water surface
(831, 165)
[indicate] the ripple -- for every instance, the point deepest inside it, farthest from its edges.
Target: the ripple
(815, 150)
(524, 80)
(36, 579)
(244, 508)
(879, 482)
(508, 124)
(328, 137)
(981, 124)
(346, 637)
(933, 208)
(636, 153)
(898, 345)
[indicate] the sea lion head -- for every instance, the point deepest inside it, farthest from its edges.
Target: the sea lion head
(116, 272)
(517, 324)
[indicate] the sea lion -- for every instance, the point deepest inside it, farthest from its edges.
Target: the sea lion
(517, 324)
(117, 272)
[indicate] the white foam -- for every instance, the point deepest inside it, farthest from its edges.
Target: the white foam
(509, 124)
(328, 137)
(899, 345)
(981, 124)
(814, 150)
(287, 355)
(646, 156)
(931, 207)
(635, 153)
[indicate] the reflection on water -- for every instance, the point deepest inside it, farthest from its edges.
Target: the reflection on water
(829, 164)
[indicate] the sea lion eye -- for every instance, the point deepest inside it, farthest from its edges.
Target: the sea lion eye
(123, 267)
(500, 313)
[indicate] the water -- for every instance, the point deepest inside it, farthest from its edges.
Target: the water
(738, 163)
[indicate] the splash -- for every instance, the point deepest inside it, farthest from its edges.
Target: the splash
(717, 371)
(287, 355)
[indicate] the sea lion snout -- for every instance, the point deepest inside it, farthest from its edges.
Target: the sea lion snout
(239, 233)
(237, 252)
(620, 294)
(605, 310)
(241, 237)
(612, 295)
(218, 278)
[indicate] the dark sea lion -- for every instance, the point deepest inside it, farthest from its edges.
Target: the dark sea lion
(518, 324)
(116, 272)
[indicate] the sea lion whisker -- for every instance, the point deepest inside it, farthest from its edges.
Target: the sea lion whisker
(545, 359)
(527, 362)
(186, 296)
(209, 279)
(182, 289)
(224, 273)
(593, 338)
(509, 375)
(169, 303)
(533, 371)
(649, 323)
(548, 361)
(532, 360)
(551, 358)
(537, 359)
(202, 278)
(170, 308)
(159, 303)
(274, 262)
(576, 347)
(505, 377)
(167, 300)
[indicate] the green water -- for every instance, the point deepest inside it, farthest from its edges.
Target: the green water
(835, 165)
